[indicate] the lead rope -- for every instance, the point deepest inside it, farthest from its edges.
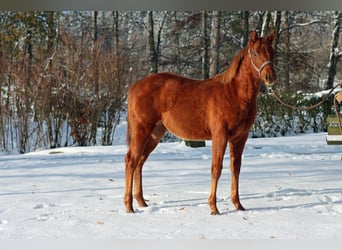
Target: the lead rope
(337, 98)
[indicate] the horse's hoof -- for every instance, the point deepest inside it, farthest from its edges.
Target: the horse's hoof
(240, 207)
(215, 212)
(129, 210)
(142, 202)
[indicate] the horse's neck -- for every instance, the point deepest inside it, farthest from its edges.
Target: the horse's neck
(246, 86)
(240, 79)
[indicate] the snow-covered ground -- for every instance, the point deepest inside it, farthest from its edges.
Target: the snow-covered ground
(290, 186)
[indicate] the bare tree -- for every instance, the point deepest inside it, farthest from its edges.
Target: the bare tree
(276, 24)
(215, 44)
(287, 51)
(266, 23)
(151, 43)
(205, 49)
(154, 47)
(245, 27)
(2, 115)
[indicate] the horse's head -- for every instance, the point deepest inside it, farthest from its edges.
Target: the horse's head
(261, 54)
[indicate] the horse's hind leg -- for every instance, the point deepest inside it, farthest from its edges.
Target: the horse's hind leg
(128, 198)
(139, 135)
(152, 142)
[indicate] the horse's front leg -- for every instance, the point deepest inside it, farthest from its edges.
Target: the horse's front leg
(133, 158)
(218, 150)
(236, 149)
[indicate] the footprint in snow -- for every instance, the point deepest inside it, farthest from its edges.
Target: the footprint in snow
(44, 217)
(43, 205)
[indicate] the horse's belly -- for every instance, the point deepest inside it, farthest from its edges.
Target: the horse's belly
(190, 127)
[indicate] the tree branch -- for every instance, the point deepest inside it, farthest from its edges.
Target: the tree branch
(339, 55)
(302, 25)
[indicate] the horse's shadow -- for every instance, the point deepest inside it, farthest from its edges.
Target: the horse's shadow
(322, 197)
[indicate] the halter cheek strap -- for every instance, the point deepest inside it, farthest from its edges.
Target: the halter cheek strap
(262, 65)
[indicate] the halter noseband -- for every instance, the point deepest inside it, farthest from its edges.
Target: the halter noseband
(262, 65)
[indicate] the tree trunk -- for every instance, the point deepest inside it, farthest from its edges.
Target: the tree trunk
(195, 144)
(110, 115)
(266, 23)
(277, 21)
(25, 98)
(94, 57)
(205, 52)
(94, 107)
(287, 51)
(245, 28)
(3, 144)
(334, 50)
(215, 44)
(178, 45)
(52, 115)
(151, 43)
(333, 58)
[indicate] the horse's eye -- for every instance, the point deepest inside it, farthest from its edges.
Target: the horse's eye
(255, 54)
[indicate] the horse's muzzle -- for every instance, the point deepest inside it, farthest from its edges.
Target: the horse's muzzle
(268, 75)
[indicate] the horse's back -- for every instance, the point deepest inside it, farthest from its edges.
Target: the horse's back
(157, 92)
(159, 82)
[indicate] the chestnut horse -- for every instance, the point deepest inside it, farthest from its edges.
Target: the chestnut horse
(221, 109)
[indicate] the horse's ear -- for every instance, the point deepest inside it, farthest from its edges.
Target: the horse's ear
(254, 37)
(271, 36)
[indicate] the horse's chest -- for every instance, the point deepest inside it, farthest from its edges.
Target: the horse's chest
(240, 120)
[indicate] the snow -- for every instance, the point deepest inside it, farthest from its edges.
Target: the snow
(291, 188)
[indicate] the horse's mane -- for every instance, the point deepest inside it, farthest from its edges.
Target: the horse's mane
(228, 75)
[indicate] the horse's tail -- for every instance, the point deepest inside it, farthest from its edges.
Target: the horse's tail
(128, 118)
(128, 134)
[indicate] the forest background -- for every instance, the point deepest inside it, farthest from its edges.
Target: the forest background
(64, 75)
